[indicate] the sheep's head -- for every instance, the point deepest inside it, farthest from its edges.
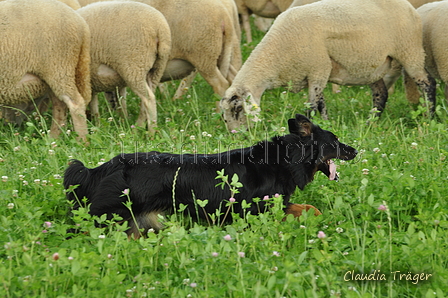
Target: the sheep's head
(239, 105)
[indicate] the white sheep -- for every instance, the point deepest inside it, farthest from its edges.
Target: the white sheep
(415, 3)
(391, 76)
(236, 60)
(346, 42)
(45, 53)
(72, 3)
(263, 8)
(418, 3)
(203, 38)
(130, 46)
(435, 42)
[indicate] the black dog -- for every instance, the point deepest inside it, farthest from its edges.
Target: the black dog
(267, 168)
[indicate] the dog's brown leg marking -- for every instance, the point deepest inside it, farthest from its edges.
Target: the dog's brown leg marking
(297, 209)
(145, 221)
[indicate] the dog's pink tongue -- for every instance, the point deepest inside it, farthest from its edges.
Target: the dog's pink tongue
(332, 168)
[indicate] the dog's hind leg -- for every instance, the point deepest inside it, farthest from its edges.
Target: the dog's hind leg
(297, 209)
(142, 222)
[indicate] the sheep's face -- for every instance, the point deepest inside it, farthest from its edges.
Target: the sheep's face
(238, 106)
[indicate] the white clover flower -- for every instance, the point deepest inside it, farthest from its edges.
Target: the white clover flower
(101, 236)
(110, 119)
(16, 148)
(376, 150)
(365, 171)
(37, 181)
(204, 133)
(5, 178)
(192, 138)
(51, 152)
(339, 230)
(10, 205)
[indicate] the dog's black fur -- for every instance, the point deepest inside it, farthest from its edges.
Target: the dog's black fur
(267, 168)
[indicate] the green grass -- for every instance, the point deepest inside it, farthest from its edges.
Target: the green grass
(402, 165)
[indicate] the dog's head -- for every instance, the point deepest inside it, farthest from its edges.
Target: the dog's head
(316, 149)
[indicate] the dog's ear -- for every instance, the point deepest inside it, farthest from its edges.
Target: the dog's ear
(301, 126)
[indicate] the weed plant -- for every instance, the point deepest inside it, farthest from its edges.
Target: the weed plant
(385, 220)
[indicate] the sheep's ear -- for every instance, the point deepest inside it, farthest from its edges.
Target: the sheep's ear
(301, 126)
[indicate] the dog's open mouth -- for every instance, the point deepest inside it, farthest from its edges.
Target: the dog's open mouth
(328, 167)
(332, 170)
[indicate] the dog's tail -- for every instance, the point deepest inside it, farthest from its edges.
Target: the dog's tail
(76, 181)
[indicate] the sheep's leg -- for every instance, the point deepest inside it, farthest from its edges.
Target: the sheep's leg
(411, 89)
(77, 108)
(185, 83)
(425, 82)
(122, 101)
(246, 26)
(59, 116)
(379, 96)
(392, 76)
(428, 86)
(216, 80)
(94, 109)
(148, 107)
(317, 101)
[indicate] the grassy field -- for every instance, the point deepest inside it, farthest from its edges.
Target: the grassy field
(384, 221)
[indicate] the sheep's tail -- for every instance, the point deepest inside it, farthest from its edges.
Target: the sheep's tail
(227, 47)
(83, 68)
(76, 182)
(163, 53)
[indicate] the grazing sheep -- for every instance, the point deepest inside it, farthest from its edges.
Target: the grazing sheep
(130, 46)
(72, 3)
(392, 75)
(204, 40)
(435, 42)
(45, 53)
(418, 3)
(342, 42)
(87, 2)
(236, 54)
(263, 8)
(415, 3)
